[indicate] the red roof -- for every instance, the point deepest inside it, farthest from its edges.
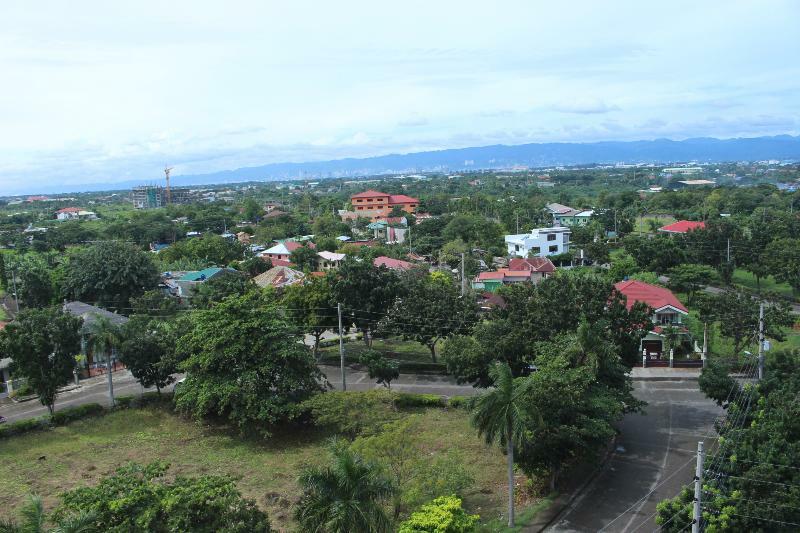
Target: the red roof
(504, 273)
(533, 264)
(281, 263)
(294, 245)
(392, 264)
(69, 210)
(361, 243)
(402, 199)
(369, 194)
(683, 226)
(653, 296)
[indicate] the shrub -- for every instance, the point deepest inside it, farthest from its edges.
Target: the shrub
(24, 426)
(352, 413)
(407, 399)
(457, 402)
(70, 414)
(124, 402)
(442, 515)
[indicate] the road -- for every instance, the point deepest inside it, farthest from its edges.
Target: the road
(654, 451)
(96, 390)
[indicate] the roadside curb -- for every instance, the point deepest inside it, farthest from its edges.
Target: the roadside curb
(563, 501)
(666, 378)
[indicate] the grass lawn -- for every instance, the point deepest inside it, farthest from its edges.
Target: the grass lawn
(391, 348)
(768, 284)
(48, 463)
(643, 223)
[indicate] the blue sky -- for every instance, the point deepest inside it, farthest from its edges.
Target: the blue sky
(98, 91)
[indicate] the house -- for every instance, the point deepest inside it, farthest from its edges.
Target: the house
(329, 260)
(375, 204)
(391, 230)
(492, 281)
(567, 216)
(279, 277)
(682, 227)
(92, 363)
(668, 311)
(540, 242)
(539, 267)
(183, 285)
(282, 251)
(269, 207)
(392, 264)
(68, 213)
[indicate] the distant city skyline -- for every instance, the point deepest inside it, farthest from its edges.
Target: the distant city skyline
(101, 92)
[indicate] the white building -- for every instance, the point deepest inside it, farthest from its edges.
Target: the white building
(540, 242)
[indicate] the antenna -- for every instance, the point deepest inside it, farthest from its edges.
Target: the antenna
(169, 193)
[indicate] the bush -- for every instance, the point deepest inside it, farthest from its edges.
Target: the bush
(24, 426)
(124, 402)
(353, 413)
(442, 515)
(457, 402)
(70, 414)
(407, 399)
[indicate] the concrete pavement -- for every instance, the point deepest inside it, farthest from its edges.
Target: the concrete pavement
(655, 452)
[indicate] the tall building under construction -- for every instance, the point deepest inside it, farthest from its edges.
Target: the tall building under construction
(154, 196)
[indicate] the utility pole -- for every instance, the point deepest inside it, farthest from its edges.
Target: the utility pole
(705, 342)
(463, 279)
(761, 341)
(341, 347)
(729, 250)
(109, 367)
(698, 489)
(16, 293)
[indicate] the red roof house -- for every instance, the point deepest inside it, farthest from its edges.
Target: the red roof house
(532, 264)
(376, 204)
(392, 264)
(682, 226)
(652, 295)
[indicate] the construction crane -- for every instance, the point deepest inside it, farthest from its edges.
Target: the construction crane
(166, 173)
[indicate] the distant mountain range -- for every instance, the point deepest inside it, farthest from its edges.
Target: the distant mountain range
(534, 155)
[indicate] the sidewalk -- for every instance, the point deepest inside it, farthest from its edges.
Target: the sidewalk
(665, 374)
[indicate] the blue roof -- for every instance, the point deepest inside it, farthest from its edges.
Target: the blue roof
(201, 275)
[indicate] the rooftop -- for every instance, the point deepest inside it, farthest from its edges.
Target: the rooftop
(533, 264)
(652, 295)
(392, 264)
(682, 226)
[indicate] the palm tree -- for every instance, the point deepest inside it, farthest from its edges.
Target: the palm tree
(499, 415)
(34, 519)
(347, 496)
(104, 337)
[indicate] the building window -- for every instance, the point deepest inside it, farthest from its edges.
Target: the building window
(553, 249)
(551, 236)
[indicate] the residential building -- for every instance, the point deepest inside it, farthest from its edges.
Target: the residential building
(540, 242)
(282, 251)
(279, 277)
(567, 216)
(68, 213)
(93, 363)
(682, 227)
(391, 230)
(492, 281)
(539, 267)
(329, 260)
(375, 204)
(668, 312)
(392, 264)
(183, 284)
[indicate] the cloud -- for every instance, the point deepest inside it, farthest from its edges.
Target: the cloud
(413, 122)
(585, 107)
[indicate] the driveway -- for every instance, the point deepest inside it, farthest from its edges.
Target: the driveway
(656, 452)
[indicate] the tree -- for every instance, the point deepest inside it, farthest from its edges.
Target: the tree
(782, 258)
(657, 254)
(43, 344)
(346, 496)
(442, 515)
(716, 383)
(246, 363)
(34, 282)
(251, 210)
(690, 278)
(365, 292)
(431, 311)
(254, 266)
(305, 258)
(104, 336)
(109, 274)
(225, 284)
(3, 273)
(148, 351)
(501, 415)
(379, 368)
(311, 308)
(737, 312)
(209, 250)
(34, 520)
(154, 303)
(139, 498)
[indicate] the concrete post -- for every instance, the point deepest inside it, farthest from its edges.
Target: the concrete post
(671, 357)
(644, 358)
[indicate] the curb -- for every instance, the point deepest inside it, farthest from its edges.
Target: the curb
(550, 515)
(667, 378)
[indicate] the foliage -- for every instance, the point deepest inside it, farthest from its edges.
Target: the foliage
(383, 370)
(432, 310)
(737, 312)
(305, 258)
(782, 258)
(311, 308)
(657, 254)
(346, 496)
(442, 515)
(139, 498)
(34, 520)
(717, 384)
(245, 362)
(109, 274)
(209, 250)
(34, 282)
(254, 266)
(43, 344)
(352, 413)
(148, 351)
(226, 283)
(154, 303)
(690, 278)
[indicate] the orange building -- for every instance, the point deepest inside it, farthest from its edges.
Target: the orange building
(374, 204)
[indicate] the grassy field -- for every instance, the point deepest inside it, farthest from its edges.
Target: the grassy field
(392, 348)
(768, 284)
(48, 463)
(643, 223)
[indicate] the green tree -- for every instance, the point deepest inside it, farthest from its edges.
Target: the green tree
(223, 285)
(209, 250)
(782, 258)
(383, 370)
(109, 274)
(501, 415)
(42, 344)
(442, 515)
(34, 520)
(431, 311)
(246, 363)
(139, 498)
(3, 273)
(690, 278)
(737, 312)
(310, 307)
(34, 282)
(346, 496)
(254, 266)
(148, 351)
(251, 210)
(305, 258)
(716, 383)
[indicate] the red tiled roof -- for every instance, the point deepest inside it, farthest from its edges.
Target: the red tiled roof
(282, 263)
(402, 199)
(294, 245)
(69, 210)
(653, 296)
(683, 226)
(369, 194)
(533, 264)
(392, 264)
(318, 274)
(504, 273)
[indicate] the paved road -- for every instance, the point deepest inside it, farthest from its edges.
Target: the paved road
(650, 449)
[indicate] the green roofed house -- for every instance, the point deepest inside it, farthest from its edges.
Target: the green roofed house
(183, 286)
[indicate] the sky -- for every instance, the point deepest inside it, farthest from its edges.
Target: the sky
(93, 91)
